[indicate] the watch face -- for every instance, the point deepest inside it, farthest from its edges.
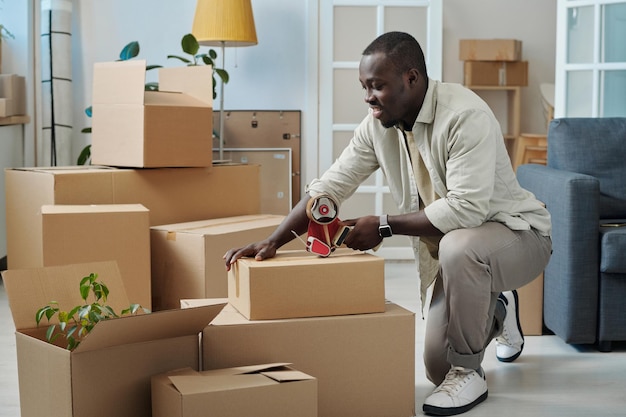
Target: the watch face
(385, 231)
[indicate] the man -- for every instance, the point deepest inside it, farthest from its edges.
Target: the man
(479, 234)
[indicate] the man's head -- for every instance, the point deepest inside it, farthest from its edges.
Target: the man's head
(393, 74)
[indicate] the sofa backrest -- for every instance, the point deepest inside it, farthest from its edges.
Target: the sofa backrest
(596, 147)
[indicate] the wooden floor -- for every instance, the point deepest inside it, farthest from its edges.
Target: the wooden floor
(550, 378)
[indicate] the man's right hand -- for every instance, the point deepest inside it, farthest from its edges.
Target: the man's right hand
(259, 250)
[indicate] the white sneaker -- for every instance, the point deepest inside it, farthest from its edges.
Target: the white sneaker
(510, 343)
(460, 391)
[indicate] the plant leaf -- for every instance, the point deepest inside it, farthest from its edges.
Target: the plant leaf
(185, 60)
(222, 74)
(85, 154)
(212, 53)
(190, 44)
(151, 86)
(50, 332)
(131, 50)
(207, 61)
(89, 111)
(150, 67)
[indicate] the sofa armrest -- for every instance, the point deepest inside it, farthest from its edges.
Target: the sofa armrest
(571, 277)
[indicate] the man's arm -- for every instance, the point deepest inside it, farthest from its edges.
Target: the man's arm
(296, 221)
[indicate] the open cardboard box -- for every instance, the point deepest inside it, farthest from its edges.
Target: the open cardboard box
(109, 373)
(301, 284)
(137, 128)
(268, 390)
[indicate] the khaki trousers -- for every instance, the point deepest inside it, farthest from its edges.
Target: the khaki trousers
(475, 265)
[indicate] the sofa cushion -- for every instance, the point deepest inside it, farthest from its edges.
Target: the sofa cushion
(596, 147)
(613, 246)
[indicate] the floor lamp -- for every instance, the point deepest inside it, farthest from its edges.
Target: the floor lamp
(224, 23)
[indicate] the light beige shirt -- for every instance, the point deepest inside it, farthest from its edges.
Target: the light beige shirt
(463, 150)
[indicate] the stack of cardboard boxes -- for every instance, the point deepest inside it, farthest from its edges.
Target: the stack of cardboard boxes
(153, 218)
(493, 62)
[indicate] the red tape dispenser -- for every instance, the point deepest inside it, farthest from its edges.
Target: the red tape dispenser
(325, 233)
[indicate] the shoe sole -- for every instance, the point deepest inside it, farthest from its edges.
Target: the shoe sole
(519, 327)
(431, 410)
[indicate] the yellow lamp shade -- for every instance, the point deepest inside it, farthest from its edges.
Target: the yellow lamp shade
(224, 23)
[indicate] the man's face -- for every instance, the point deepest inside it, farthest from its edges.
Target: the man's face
(387, 91)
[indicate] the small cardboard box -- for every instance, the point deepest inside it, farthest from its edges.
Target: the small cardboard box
(301, 284)
(12, 95)
(268, 390)
(490, 50)
(531, 307)
(364, 363)
(187, 257)
(74, 234)
(109, 373)
(137, 128)
(496, 73)
(172, 195)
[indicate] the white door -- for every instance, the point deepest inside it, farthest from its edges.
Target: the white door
(590, 79)
(346, 28)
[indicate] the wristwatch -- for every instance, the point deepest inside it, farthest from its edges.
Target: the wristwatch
(384, 230)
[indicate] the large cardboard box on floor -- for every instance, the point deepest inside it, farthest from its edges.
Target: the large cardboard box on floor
(490, 50)
(172, 195)
(109, 373)
(302, 284)
(137, 128)
(364, 363)
(268, 390)
(12, 95)
(498, 73)
(187, 257)
(74, 234)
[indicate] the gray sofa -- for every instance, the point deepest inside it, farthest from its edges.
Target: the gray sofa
(584, 189)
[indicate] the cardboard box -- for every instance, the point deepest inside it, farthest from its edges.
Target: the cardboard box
(172, 195)
(72, 234)
(12, 95)
(490, 50)
(269, 390)
(109, 373)
(137, 128)
(364, 363)
(301, 284)
(495, 73)
(531, 307)
(187, 257)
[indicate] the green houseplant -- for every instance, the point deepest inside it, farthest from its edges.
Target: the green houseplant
(76, 323)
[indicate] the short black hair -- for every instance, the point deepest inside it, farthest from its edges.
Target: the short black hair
(402, 49)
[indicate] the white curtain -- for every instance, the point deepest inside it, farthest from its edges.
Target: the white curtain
(54, 148)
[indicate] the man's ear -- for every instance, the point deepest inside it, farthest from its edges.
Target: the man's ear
(413, 76)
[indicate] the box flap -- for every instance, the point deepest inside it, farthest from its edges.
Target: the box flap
(287, 375)
(198, 384)
(198, 302)
(196, 81)
(147, 327)
(119, 82)
(249, 369)
(30, 289)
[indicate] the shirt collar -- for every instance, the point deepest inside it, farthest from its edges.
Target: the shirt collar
(427, 112)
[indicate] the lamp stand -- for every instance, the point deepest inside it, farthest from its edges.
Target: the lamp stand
(221, 138)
